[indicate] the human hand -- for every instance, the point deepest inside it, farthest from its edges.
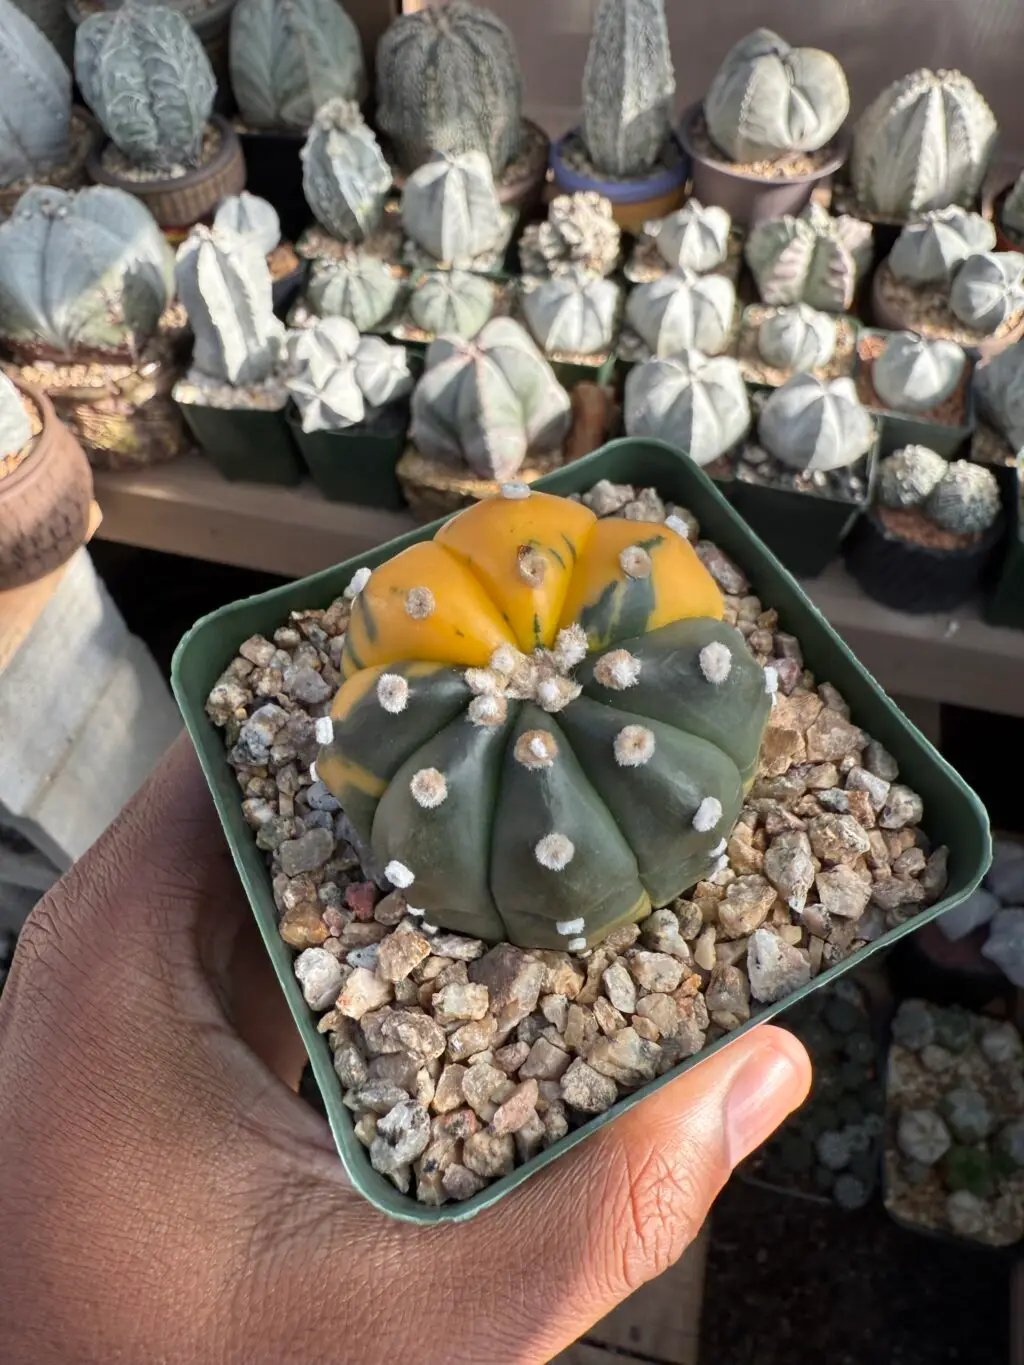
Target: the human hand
(166, 1199)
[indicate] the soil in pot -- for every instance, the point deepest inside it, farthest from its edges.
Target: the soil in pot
(900, 306)
(634, 201)
(317, 244)
(758, 371)
(83, 139)
(646, 262)
(944, 428)
(242, 432)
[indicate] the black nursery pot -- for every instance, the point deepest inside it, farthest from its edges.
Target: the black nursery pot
(357, 463)
(1005, 607)
(246, 444)
(273, 170)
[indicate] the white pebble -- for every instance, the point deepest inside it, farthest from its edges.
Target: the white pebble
(399, 875)
(313, 774)
(771, 680)
(324, 730)
(515, 490)
(392, 693)
(577, 945)
(357, 583)
(554, 851)
(568, 927)
(707, 816)
(678, 525)
(634, 746)
(715, 662)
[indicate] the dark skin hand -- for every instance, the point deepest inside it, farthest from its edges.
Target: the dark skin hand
(165, 1197)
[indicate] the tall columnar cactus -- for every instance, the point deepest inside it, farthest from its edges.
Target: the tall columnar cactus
(797, 338)
(813, 424)
(908, 476)
(572, 314)
(579, 232)
(682, 311)
(225, 285)
(344, 175)
(694, 402)
(362, 288)
(489, 403)
(451, 303)
(966, 500)
(545, 726)
(82, 272)
(814, 259)
(288, 57)
(988, 290)
(999, 388)
(35, 99)
(929, 249)
(768, 99)
(629, 87)
(15, 427)
(923, 144)
(338, 379)
(146, 77)
(451, 209)
(252, 218)
(913, 374)
(693, 238)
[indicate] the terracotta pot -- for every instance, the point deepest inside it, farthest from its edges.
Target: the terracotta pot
(633, 202)
(888, 316)
(71, 176)
(44, 501)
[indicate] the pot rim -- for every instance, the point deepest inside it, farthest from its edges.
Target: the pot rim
(229, 148)
(841, 143)
(634, 191)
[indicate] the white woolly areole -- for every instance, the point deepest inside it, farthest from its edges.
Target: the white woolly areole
(707, 816)
(428, 788)
(357, 583)
(571, 646)
(324, 730)
(488, 709)
(634, 746)
(555, 694)
(554, 851)
(771, 680)
(715, 662)
(393, 693)
(577, 945)
(515, 490)
(678, 525)
(635, 562)
(568, 927)
(536, 749)
(531, 566)
(618, 670)
(313, 774)
(505, 658)
(419, 603)
(719, 849)
(399, 875)
(480, 680)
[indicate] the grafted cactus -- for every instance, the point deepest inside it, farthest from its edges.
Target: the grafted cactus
(15, 427)
(813, 259)
(489, 403)
(288, 57)
(929, 249)
(988, 290)
(966, 500)
(693, 238)
(344, 175)
(448, 80)
(768, 99)
(339, 379)
(35, 99)
(629, 87)
(924, 143)
(1013, 209)
(697, 403)
(451, 209)
(225, 285)
(579, 231)
(811, 424)
(999, 388)
(572, 313)
(797, 338)
(82, 272)
(906, 477)
(362, 288)
(913, 374)
(451, 303)
(146, 77)
(252, 218)
(682, 311)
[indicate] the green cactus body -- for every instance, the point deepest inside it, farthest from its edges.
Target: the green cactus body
(966, 500)
(451, 209)
(931, 248)
(288, 57)
(360, 287)
(338, 379)
(811, 424)
(451, 303)
(797, 338)
(252, 218)
(814, 259)
(908, 476)
(579, 232)
(82, 272)
(344, 175)
(15, 427)
(696, 403)
(769, 99)
(693, 238)
(573, 315)
(913, 374)
(35, 99)
(682, 311)
(999, 389)
(924, 143)
(144, 74)
(629, 87)
(988, 290)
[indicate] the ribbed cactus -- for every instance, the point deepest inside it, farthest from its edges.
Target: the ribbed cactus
(814, 259)
(344, 175)
(693, 238)
(81, 272)
(913, 374)
(579, 231)
(490, 402)
(929, 249)
(629, 87)
(288, 57)
(682, 311)
(988, 290)
(813, 424)
(999, 389)
(225, 285)
(339, 379)
(451, 303)
(966, 500)
(924, 143)
(768, 99)
(252, 218)
(146, 77)
(572, 314)
(15, 427)
(35, 99)
(362, 288)
(694, 402)
(448, 80)
(908, 476)
(797, 338)
(451, 209)
(331, 341)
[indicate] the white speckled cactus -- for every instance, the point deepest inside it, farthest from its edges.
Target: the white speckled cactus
(146, 77)
(451, 303)
(813, 259)
(797, 338)
(929, 249)
(344, 175)
(362, 288)
(682, 311)
(579, 232)
(338, 379)
(768, 99)
(966, 500)
(451, 209)
(448, 80)
(35, 99)
(913, 374)
(15, 427)
(575, 315)
(252, 218)
(489, 403)
(906, 477)
(999, 389)
(697, 403)
(924, 143)
(813, 424)
(629, 87)
(693, 238)
(288, 57)
(89, 271)
(988, 290)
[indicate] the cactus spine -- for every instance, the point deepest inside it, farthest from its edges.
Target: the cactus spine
(628, 87)
(35, 99)
(344, 175)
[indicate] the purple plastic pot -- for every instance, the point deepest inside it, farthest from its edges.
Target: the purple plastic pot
(633, 201)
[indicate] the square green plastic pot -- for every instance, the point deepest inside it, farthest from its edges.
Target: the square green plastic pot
(954, 815)
(250, 445)
(357, 463)
(1005, 605)
(899, 429)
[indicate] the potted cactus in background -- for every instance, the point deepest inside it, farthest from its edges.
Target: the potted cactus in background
(774, 344)
(579, 233)
(574, 318)
(920, 388)
(346, 182)
(257, 220)
(210, 19)
(696, 403)
(679, 311)
(691, 238)
(452, 216)
(449, 303)
(813, 259)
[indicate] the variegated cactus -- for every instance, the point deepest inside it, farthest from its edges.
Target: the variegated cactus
(924, 143)
(451, 209)
(451, 303)
(768, 99)
(913, 374)
(906, 477)
(15, 427)
(931, 247)
(147, 78)
(797, 338)
(252, 218)
(693, 238)
(682, 311)
(988, 290)
(966, 499)
(814, 424)
(360, 287)
(999, 389)
(579, 232)
(89, 271)
(814, 259)
(289, 57)
(572, 314)
(338, 379)
(344, 175)
(629, 87)
(697, 403)
(448, 80)
(489, 403)
(35, 99)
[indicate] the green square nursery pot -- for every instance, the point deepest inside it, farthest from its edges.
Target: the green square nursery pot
(954, 815)
(899, 429)
(357, 463)
(247, 444)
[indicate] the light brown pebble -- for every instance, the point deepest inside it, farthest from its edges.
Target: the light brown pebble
(350, 1066)
(562, 975)
(514, 981)
(619, 987)
(789, 867)
(843, 891)
(529, 1137)
(704, 952)
(458, 1003)
(472, 1038)
(893, 893)
(660, 1010)
(303, 927)
(744, 858)
(459, 1124)
(457, 946)
(728, 991)
(520, 1106)
(555, 1009)
(745, 906)
(903, 807)
(655, 972)
(626, 1058)
(730, 951)
(511, 1057)
(391, 910)
(546, 1062)
(399, 954)
(646, 1028)
(832, 737)
(580, 1028)
(691, 921)
(458, 1182)
(485, 1087)
(622, 938)
(822, 776)
(448, 1093)
(837, 838)
(415, 1033)
(489, 1154)
(377, 1097)
(587, 1090)
(365, 1128)
(609, 1019)
(661, 935)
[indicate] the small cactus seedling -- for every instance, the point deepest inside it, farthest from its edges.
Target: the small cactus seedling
(693, 238)
(797, 338)
(451, 303)
(988, 290)
(814, 259)
(811, 424)
(451, 209)
(344, 175)
(489, 403)
(966, 500)
(545, 726)
(35, 99)
(579, 232)
(15, 427)
(696, 403)
(569, 314)
(339, 379)
(999, 388)
(913, 374)
(289, 57)
(769, 99)
(924, 143)
(629, 87)
(359, 287)
(682, 311)
(908, 476)
(1013, 209)
(930, 249)
(252, 218)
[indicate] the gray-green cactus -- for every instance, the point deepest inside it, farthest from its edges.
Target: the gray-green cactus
(331, 341)
(451, 209)
(697, 403)
(573, 314)
(147, 78)
(999, 389)
(797, 338)
(51, 18)
(360, 287)
(988, 290)
(629, 87)
(35, 99)
(448, 80)
(489, 403)
(814, 259)
(814, 424)
(288, 57)
(345, 177)
(338, 379)
(579, 231)
(252, 218)
(931, 248)
(82, 272)
(451, 303)
(768, 99)
(924, 143)
(693, 238)
(15, 427)
(682, 311)
(908, 476)
(913, 374)
(966, 500)
(1013, 209)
